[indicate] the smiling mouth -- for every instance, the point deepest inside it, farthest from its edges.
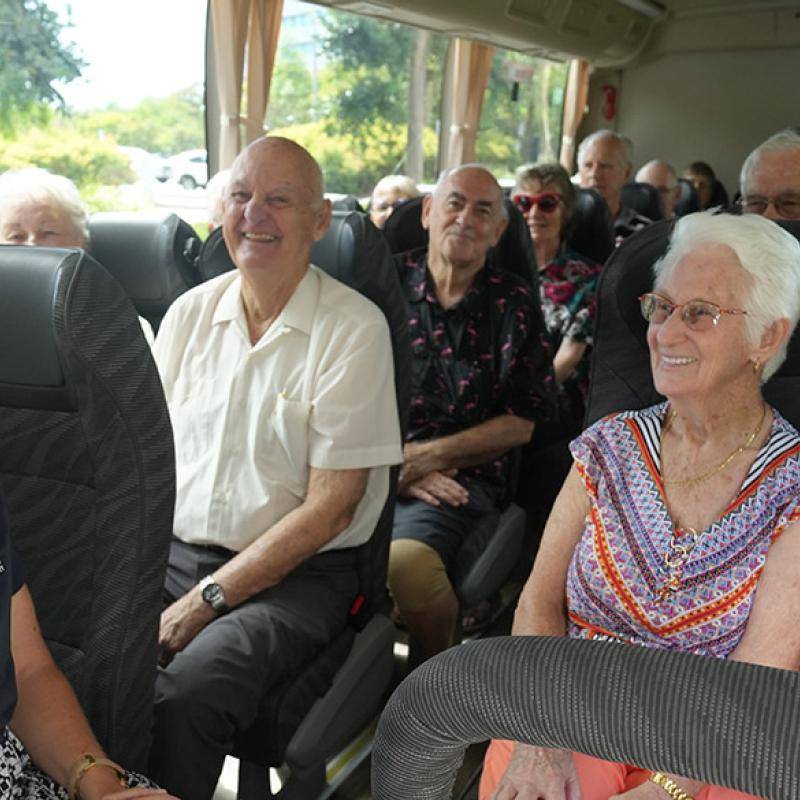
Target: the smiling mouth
(678, 361)
(260, 237)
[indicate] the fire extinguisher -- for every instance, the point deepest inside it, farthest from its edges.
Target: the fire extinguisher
(609, 101)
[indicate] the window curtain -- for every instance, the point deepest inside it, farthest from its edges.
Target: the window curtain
(262, 44)
(574, 110)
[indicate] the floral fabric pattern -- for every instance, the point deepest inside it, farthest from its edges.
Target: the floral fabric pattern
(485, 356)
(617, 573)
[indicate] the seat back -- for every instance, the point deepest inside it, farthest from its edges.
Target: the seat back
(644, 199)
(620, 377)
(151, 255)
(719, 196)
(87, 470)
(591, 229)
(688, 202)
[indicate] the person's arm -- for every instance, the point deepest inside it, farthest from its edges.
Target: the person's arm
(542, 772)
(48, 720)
(328, 508)
(568, 356)
(476, 445)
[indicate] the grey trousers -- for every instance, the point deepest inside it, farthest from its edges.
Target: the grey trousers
(213, 689)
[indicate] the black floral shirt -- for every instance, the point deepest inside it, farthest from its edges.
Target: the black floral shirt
(485, 356)
(567, 287)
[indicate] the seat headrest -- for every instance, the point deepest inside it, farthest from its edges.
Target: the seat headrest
(642, 198)
(347, 203)
(591, 231)
(688, 202)
(151, 255)
(403, 230)
(31, 372)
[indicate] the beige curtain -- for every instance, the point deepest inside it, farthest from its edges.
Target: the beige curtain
(262, 44)
(229, 18)
(574, 110)
(471, 64)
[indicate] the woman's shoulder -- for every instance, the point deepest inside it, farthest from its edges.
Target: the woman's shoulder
(620, 420)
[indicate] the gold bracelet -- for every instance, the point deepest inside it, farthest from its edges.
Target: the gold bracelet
(83, 765)
(670, 787)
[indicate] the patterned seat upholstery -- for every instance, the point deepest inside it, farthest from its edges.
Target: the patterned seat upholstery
(87, 470)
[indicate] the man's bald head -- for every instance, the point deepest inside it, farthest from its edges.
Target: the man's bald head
(661, 176)
(446, 177)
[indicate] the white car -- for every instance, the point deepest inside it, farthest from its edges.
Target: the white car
(190, 168)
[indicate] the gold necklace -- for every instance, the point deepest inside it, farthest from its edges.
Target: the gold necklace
(683, 482)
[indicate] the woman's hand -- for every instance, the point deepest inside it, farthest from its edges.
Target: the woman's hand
(130, 794)
(101, 783)
(538, 772)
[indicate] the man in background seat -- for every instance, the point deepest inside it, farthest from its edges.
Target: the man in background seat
(280, 387)
(770, 178)
(662, 177)
(482, 380)
(605, 164)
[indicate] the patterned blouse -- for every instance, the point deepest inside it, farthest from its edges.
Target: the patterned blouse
(485, 356)
(616, 577)
(567, 288)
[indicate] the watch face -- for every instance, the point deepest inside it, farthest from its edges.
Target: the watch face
(211, 593)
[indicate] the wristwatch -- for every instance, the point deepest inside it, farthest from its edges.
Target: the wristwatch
(212, 593)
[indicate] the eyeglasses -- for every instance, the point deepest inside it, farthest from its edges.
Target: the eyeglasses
(547, 201)
(697, 315)
(787, 205)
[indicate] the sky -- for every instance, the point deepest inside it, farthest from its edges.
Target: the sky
(134, 49)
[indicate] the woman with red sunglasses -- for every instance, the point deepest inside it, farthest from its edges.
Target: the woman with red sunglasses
(567, 280)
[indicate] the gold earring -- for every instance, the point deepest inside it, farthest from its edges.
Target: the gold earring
(756, 366)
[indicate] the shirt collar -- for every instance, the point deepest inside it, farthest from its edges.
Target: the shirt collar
(298, 312)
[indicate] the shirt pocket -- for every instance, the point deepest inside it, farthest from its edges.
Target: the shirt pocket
(285, 438)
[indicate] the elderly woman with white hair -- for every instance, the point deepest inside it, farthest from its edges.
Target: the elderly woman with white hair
(389, 192)
(678, 525)
(41, 209)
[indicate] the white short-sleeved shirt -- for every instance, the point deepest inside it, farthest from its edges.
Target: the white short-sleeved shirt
(317, 390)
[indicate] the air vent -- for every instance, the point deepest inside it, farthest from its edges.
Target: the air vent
(582, 17)
(537, 11)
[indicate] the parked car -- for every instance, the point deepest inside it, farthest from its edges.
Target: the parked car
(147, 166)
(190, 168)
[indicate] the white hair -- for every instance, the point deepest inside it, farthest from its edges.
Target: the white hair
(625, 144)
(768, 254)
(786, 139)
(397, 183)
(215, 196)
(448, 173)
(36, 185)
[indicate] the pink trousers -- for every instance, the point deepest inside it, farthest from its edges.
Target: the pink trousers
(599, 779)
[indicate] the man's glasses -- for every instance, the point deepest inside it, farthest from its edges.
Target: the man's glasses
(697, 315)
(547, 201)
(787, 205)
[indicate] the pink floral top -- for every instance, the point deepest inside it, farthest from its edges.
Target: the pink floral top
(617, 572)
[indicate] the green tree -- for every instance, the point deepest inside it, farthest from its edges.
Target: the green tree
(166, 125)
(31, 59)
(290, 92)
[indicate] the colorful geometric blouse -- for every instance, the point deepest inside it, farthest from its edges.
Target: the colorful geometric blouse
(615, 581)
(487, 355)
(567, 288)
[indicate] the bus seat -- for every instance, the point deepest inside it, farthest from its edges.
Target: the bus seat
(719, 196)
(314, 714)
(87, 470)
(688, 202)
(642, 198)
(347, 203)
(591, 231)
(620, 376)
(151, 255)
(403, 230)
(724, 722)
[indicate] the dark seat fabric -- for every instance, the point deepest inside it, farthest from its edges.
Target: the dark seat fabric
(591, 229)
(346, 203)
(151, 255)
(722, 722)
(354, 252)
(620, 377)
(688, 202)
(644, 199)
(87, 470)
(719, 196)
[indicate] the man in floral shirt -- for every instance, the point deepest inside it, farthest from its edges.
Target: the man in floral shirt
(482, 380)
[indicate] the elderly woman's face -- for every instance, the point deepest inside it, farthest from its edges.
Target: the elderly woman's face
(33, 223)
(688, 362)
(383, 204)
(546, 226)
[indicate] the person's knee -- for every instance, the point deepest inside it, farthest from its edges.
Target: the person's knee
(417, 576)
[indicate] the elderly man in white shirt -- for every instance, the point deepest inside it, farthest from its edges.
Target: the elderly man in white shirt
(281, 391)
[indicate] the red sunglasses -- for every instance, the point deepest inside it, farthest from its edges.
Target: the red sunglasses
(547, 202)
